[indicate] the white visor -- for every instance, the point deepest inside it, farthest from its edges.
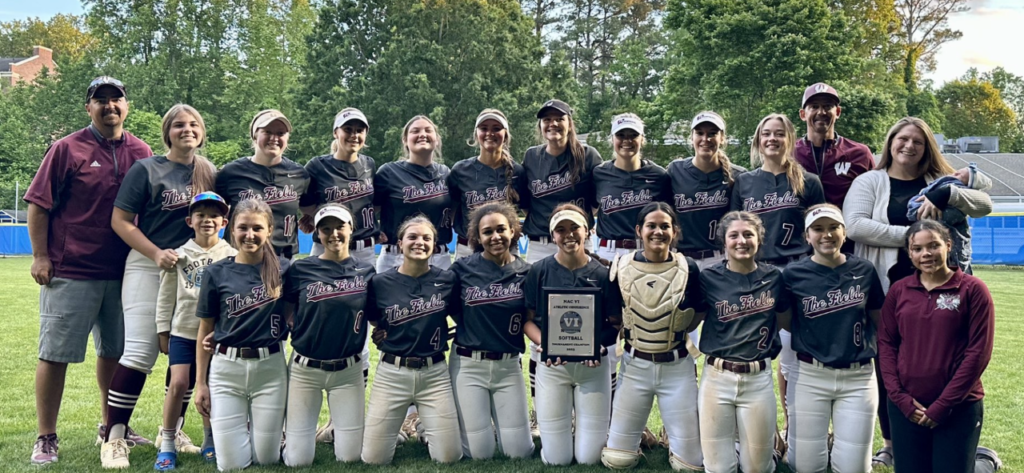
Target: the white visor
(823, 212)
(332, 211)
(708, 117)
(491, 116)
(347, 116)
(570, 215)
(623, 123)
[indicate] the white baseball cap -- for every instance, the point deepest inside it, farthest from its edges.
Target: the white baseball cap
(334, 211)
(708, 117)
(348, 115)
(823, 212)
(491, 116)
(623, 122)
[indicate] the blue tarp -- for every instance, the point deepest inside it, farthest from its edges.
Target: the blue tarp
(14, 240)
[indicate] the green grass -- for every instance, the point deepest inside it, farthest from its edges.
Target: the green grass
(80, 411)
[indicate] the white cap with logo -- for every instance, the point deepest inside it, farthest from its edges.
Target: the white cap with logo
(624, 121)
(708, 117)
(348, 115)
(329, 211)
(824, 212)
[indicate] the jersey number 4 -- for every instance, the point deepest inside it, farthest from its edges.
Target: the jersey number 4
(436, 340)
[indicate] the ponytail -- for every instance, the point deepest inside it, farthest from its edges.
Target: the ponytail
(794, 171)
(578, 154)
(725, 165)
(203, 175)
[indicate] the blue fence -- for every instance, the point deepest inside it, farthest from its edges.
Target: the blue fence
(996, 239)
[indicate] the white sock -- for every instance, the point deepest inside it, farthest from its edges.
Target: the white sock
(167, 440)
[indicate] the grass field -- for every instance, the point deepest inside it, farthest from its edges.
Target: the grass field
(1004, 403)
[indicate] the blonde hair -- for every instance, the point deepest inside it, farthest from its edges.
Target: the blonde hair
(720, 158)
(642, 140)
(932, 164)
(270, 273)
(436, 154)
(511, 195)
(203, 171)
(793, 169)
(335, 145)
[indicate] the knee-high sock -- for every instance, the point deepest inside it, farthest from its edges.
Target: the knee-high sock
(121, 399)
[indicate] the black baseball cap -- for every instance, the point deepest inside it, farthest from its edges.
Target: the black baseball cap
(104, 81)
(554, 104)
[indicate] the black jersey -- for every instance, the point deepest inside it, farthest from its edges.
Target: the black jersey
(700, 200)
(413, 311)
(771, 197)
(158, 191)
(349, 184)
(621, 194)
(741, 324)
(831, 308)
(473, 184)
(403, 189)
(329, 298)
(493, 304)
(549, 182)
(548, 272)
(280, 186)
(244, 315)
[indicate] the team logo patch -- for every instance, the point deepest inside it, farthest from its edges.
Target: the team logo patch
(820, 88)
(842, 168)
(948, 301)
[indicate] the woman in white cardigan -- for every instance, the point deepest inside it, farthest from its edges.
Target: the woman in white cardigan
(875, 211)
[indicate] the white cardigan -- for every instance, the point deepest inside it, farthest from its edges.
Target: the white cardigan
(866, 211)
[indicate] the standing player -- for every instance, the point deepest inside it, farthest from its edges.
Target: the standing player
(835, 299)
(243, 388)
(778, 192)
(177, 324)
(410, 306)
(491, 177)
(149, 215)
(328, 294)
(269, 176)
(77, 258)
(623, 186)
(487, 375)
(417, 185)
(746, 301)
(346, 177)
(583, 389)
(662, 301)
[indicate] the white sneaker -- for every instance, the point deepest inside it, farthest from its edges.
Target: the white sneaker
(183, 444)
(114, 454)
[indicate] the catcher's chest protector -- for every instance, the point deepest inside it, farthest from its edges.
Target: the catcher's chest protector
(651, 293)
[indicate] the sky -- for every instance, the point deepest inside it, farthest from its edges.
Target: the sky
(991, 34)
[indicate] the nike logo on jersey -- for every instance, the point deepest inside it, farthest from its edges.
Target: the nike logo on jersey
(857, 277)
(627, 200)
(591, 280)
(493, 294)
(438, 284)
(650, 181)
(95, 164)
(749, 305)
(834, 301)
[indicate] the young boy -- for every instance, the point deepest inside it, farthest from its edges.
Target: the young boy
(177, 324)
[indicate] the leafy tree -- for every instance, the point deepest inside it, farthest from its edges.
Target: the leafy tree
(1011, 89)
(64, 34)
(975, 108)
(924, 28)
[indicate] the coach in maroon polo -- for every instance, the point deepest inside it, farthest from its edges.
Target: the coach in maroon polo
(77, 258)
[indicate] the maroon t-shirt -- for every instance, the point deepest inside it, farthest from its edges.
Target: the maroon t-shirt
(838, 163)
(77, 183)
(934, 345)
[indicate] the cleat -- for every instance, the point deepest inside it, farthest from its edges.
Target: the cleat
(325, 434)
(114, 454)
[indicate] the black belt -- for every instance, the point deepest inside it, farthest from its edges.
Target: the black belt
(836, 366)
(327, 365)
(666, 357)
(414, 362)
(487, 355)
(365, 241)
(699, 254)
(626, 244)
(246, 352)
(739, 367)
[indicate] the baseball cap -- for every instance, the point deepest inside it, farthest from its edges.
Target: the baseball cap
(556, 105)
(820, 88)
(103, 81)
(209, 198)
(266, 117)
(708, 117)
(491, 116)
(624, 121)
(329, 211)
(823, 212)
(348, 115)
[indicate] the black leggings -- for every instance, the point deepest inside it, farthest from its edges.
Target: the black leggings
(883, 398)
(949, 448)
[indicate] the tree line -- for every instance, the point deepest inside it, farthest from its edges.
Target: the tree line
(662, 59)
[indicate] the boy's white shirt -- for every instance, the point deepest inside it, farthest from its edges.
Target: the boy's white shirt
(177, 298)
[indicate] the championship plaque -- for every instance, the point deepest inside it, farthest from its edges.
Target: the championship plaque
(572, 327)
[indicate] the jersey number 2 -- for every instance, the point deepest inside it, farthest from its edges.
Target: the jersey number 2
(762, 344)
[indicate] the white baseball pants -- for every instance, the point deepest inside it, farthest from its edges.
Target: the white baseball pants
(393, 389)
(490, 396)
(846, 397)
(247, 401)
(787, 357)
(732, 403)
(675, 384)
(346, 397)
(563, 390)
(138, 297)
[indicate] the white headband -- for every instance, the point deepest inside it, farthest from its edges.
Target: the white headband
(823, 212)
(570, 215)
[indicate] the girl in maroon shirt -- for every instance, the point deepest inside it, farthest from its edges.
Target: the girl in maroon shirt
(935, 342)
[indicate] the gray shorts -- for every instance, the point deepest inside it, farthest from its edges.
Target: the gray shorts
(69, 309)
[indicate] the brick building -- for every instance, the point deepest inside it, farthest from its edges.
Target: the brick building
(17, 69)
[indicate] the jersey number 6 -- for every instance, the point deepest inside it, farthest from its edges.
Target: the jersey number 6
(515, 325)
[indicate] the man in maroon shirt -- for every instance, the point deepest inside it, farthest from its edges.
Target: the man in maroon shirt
(77, 258)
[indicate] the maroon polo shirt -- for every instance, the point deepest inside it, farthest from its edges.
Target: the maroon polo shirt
(77, 183)
(842, 160)
(934, 345)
